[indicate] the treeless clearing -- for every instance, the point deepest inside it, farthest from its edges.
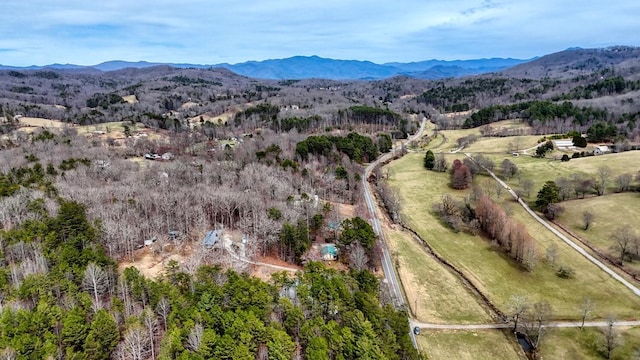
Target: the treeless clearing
(573, 343)
(148, 264)
(345, 211)
(41, 122)
(265, 272)
(131, 99)
(545, 169)
(108, 127)
(188, 104)
(441, 296)
(451, 115)
(219, 119)
(506, 144)
(608, 216)
(493, 272)
(469, 345)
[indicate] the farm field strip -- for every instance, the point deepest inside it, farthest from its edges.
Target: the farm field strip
(469, 345)
(490, 270)
(568, 241)
(607, 220)
(439, 295)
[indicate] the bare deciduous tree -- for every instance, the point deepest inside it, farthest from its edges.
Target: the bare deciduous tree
(135, 343)
(623, 237)
(611, 340)
(358, 258)
(566, 186)
(8, 354)
(517, 307)
(96, 281)
(587, 219)
(441, 163)
(536, 319)
(587, 308)
(623, 182)
(527, 186)
(604, 175)
(509, 169)
(552, 253)
(163, 309)
(151, 324)
(194, 339)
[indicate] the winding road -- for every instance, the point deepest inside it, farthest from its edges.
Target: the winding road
(394, 285)
(387, 265)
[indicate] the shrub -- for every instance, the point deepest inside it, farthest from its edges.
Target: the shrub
(565, 272)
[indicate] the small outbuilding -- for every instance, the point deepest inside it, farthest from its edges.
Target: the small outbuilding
(601, 149)
(150, 241)
(563, 144)
(211, 239)
(329, 252)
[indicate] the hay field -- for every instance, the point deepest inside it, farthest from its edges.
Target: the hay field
(439, 295)
(494, 273)
(469, 345)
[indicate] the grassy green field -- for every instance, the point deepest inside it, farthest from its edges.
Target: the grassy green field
(541, 170)
(589, 344)
(469, 345)
(114, 126)
(441, 296)
(495, 274)
(446, 140)
(607, 211)
(502, 145)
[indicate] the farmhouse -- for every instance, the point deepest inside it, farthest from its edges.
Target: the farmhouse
(601, 149)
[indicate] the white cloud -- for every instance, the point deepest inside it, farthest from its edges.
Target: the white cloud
(88, 32)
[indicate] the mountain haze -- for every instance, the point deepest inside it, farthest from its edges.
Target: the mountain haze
(308, 67)
(577, 61)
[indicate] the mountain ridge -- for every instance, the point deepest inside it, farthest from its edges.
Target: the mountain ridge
(306, 67)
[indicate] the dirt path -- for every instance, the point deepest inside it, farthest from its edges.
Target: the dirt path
(553, 324)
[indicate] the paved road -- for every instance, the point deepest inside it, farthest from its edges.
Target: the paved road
(562, 237)
(387, 264)
(555, 324)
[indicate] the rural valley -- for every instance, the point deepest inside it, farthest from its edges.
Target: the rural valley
(182, 212)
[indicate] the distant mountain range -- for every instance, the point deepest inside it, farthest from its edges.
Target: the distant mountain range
(306, 67)
(573, 62)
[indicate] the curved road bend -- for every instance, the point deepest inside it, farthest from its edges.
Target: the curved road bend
(387, 264)
(562, 237)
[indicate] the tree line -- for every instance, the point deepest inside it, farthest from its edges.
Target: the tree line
(535, 110)
(357, 147)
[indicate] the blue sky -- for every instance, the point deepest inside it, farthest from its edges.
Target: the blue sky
(88, 32)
